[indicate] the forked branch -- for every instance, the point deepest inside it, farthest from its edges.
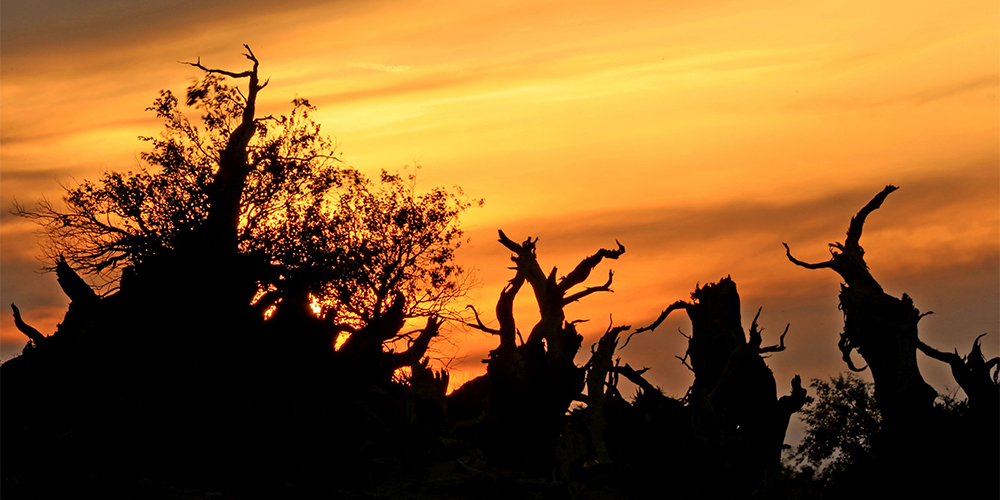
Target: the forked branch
(581, 294)
(479, 323)
(251, 73)
(848, 258)
(756, 339)
(582, 270)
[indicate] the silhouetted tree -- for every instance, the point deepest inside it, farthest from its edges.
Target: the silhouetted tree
(842, 423)
(737, 422)
(234, 254)
(972, 372)
(236, 206)
(530, 384)
(883, 329)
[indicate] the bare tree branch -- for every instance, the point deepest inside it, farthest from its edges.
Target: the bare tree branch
(479, 323)
(418, 348)
(72, 284)
(230, 74)
(806, 265)
(245, 74)
(755, 337)
(858, 221)
(582, 270)
(781, 343)
(684, 361)
(33, 334)
(846, 347)
(635, 376)
(579, 295)
(680, 304)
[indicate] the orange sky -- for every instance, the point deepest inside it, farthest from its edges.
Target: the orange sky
(699, 134)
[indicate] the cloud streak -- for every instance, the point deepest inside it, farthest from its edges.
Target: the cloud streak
(381, 67)
(700, 134)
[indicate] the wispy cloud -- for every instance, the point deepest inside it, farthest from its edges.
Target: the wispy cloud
(381, 67)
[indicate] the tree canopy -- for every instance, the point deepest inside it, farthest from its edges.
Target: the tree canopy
(841, 424)
(306, 221)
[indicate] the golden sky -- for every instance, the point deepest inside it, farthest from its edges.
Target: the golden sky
(700, 134)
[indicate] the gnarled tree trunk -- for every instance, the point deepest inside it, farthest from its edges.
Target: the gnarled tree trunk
(736, 418)
(917, 441)
(531, 385)
(881, 327)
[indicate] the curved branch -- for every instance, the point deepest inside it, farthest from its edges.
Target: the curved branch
(230, 74)
(579, 295)
(952, 358)
(680, 304)
(756, 340)
(479, 323)
(972, 373)
(245, 74)
(635, 376)
(806, 265)
(33, 334)
(858, 221)
(418, 348)
(845, 349)
(527, 266)
(781, 343)
(582, 270)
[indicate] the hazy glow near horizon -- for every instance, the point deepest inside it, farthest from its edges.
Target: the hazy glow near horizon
(699, 134)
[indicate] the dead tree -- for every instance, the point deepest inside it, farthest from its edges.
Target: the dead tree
(532, 383)
(972, 373)
(734, 410)
(882, 328)
(601, 389)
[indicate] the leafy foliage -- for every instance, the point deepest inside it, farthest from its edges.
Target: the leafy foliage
(401, 241)
(842, 422)
(127, 219)
(307, 221)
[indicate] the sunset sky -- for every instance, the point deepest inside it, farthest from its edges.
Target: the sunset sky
(700, 134)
